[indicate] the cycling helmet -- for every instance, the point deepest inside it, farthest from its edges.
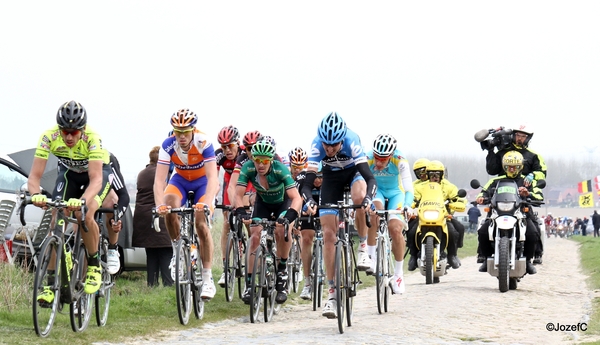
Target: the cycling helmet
(251, 138)
(384, 145)
(436, 166)
(512, 159)
(263, 148)
(298, 156)
(228, 134)
(332, 129)
(71, 115)
(268, 139)
(419, 164)
(184, 118)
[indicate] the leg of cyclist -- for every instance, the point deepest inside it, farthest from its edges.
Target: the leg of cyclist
(283, 250)
(372, 236)
(306, 244)
(253, 243)
(358, 191)
(395, 226)
(206, 253)
(224, 235)
(329, 224)
(112, 261)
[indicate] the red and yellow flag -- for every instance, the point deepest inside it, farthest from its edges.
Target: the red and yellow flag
(585, 186)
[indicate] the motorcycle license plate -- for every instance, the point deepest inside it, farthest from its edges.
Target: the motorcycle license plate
(506, 222)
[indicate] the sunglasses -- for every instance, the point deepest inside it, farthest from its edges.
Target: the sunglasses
(298, 166)
(262, 160)
(248, 148)
(420, 171)
(434, 174)
(332, 145)
(230, 146)
(380, 158)
(182, 131)
(72, 132)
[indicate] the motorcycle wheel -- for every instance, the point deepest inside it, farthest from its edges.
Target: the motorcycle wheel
(503, 264)
(429, 269)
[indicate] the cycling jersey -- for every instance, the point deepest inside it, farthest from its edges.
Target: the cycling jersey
(228, 165)
(188, 164)
(279, 180)
(76, 158)
(394, 182)
(350, 154)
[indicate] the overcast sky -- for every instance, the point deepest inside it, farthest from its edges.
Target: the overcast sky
(431, 73)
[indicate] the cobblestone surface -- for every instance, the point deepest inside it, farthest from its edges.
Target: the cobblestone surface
(466, 307)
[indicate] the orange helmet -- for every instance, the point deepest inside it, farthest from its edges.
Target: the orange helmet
(184, 118)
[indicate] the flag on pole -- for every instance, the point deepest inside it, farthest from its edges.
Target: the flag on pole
(586, 200)
(597, 182)
(585, 186)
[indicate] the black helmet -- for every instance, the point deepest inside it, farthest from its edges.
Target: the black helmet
(71, 115)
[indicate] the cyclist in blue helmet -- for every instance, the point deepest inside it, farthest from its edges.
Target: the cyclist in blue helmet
(344, 164)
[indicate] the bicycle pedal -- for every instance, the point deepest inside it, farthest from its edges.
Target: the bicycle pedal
(352, 293)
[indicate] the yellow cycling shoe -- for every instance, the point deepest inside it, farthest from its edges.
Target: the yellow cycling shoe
(46, 297)
(93, 280)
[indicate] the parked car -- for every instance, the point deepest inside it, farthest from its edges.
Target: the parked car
(13, 181)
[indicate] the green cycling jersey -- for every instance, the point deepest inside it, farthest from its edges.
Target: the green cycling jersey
(279, 179)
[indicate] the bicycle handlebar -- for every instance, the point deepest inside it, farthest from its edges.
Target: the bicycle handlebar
(58, 204)
(273, 223)
(341, 206)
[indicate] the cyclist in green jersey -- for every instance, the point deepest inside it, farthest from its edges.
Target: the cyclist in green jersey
(277, 198)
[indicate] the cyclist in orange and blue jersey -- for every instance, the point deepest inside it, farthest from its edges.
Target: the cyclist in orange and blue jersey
(195, 170)
(394, 185)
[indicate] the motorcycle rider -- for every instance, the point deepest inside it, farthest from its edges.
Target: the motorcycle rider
(512, 163)
(420, 170)
(534, 168)
(435, 173)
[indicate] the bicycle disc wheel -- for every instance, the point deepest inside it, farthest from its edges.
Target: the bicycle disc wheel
(44, 313)
(102, 300)
(257, 284)
(380, 275)
(341, 286)
(182, 281)
(81, 306)
(230, 266)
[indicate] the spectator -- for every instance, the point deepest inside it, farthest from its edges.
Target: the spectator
(596, 223)
(158, 244)
(584, 226)
(474, 214)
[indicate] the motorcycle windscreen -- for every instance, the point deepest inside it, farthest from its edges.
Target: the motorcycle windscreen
(506, 191)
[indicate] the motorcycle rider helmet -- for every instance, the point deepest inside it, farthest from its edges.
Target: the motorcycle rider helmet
(298, 156)
(251, 138)
(420, 167)
(71, 115)
(184, 118)
(512, 159)
(522, 129)
(332, 129)
(263, 148)
(435, 167)
(228, 134)
(384, 145)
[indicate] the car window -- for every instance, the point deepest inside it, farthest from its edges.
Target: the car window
(10, 180)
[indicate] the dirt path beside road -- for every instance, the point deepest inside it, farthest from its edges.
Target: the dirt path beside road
(466, 307)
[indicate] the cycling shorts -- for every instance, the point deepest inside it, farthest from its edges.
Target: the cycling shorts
(394, 197)
(180, 186)
(334, 182)
(70, 184)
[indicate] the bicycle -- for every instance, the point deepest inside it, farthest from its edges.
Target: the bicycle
(234, 264)
(188, 263)
(346, 273)
(263, 278)
(384, 268)
(102, 298)
(294, 262)
(317, 272)
(61, 271)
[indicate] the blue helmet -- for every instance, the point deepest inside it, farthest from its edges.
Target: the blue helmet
(332, 129)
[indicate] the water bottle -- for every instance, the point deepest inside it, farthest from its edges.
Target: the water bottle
(194, 255)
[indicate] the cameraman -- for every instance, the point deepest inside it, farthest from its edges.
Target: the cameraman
(534, 167)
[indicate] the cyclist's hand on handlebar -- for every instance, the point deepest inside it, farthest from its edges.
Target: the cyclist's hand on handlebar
(241, 213)
(74, 204)
(39, 200)
(200, 207)
(282, 221)
(162, 210)
(368, 205)
(116, 226)
(310, 207)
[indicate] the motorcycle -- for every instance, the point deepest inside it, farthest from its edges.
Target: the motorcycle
(433, 217)
(508, 218)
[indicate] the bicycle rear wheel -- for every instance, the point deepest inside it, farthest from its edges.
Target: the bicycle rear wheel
(352, 281)
(81, 306)
(231, 266)
(182, 281)
(269, 300)
(44, 313)
(197, 283)
(294, 266)
(102, 298)
(257, 283)
(341, 285)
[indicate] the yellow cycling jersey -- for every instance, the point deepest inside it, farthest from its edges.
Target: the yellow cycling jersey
(76, 158)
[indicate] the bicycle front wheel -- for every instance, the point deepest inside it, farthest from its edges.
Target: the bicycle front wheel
(81, 305)
(316, 274)
(102, 300)
(183, 271)
(381, 276)
(294, 266)
(341, 281)
(44, 309)
(257, 283)
(231, 264)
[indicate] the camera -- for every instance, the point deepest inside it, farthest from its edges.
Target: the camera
(496, 137)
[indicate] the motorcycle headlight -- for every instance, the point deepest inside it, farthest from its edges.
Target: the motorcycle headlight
(505, 206)
(431, 215)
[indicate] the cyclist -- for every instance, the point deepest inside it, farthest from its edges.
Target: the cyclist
(420, 170)
(228, 137)
(298, 164)
(249, 139)
(83, 174)
(344, 163)
(394, 184)
(276, 195)
(195, 170)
